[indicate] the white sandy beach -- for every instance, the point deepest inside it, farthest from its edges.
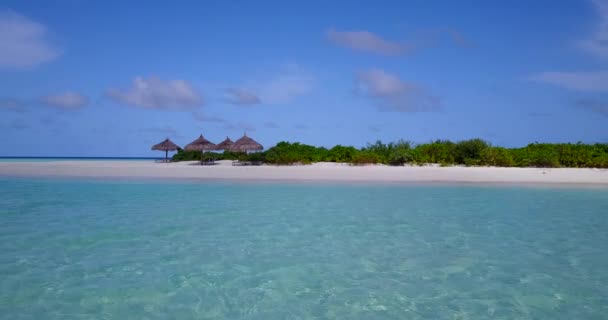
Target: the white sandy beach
(314, 172)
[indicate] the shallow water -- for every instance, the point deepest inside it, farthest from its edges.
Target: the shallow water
(166, 250)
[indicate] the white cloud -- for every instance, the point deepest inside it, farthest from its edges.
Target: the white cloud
(291, 82)
(282, 86)
(585, 81)
(154, 93)
(593, 81)
(241, 97)
(65, 101)
(367, 41)
(393, 94)
(23, 42)
(598, 43)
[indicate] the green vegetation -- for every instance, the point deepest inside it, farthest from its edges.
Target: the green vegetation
(288, 153)
(183, 155)
(473, 152)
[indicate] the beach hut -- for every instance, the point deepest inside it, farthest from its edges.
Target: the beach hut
(225, 145)
(201, 144)
(166, 146)
(246, 144)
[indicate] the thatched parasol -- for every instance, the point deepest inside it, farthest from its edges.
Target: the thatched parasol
(201, 144)
(165, 146)
(245, 144)
(225, 145)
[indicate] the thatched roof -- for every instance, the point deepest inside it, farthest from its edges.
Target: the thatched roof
(166, 145)
(225, 145)
(245, 144)
(201, 144)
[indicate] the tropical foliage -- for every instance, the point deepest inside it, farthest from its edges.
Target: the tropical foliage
(183, 155)
(473, 152)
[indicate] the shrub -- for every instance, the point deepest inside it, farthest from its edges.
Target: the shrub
(399, 157)
(256, 156)
(183, 155)
(599, 161)
(340, 154)
(365, 157)
(440, 151)
(289, 153)
(496, 156)
(469, 151)
(541, 155)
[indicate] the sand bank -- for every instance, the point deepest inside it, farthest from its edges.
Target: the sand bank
(314, 172)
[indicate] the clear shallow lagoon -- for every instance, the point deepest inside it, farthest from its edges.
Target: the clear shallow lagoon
(160, 250)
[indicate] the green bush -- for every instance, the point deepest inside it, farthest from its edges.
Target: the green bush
(600, 161)
(471, 152)
(399, 157)
(285, 153)
(468, 152)
(340, 154)
(183, 155)
(496, 156)
(365, 157)
(544, 160)
(439, 151)
(229, 155)
(541, 155)
(255, 156)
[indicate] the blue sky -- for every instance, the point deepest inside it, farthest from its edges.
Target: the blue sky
(111, 78)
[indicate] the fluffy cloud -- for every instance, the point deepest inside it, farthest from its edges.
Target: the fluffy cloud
(591, 82)
(291, 82)
(600, 107)
(65, 101)
(23, 42)
(393, 94)
(367, 41)
(598, 43)
(596, 81)
(288, 83)
(154, 93)
(241, 97)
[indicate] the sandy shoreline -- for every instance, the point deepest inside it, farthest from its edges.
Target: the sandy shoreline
(315, 172)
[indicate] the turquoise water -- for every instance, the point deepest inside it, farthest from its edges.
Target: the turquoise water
(163, 250)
